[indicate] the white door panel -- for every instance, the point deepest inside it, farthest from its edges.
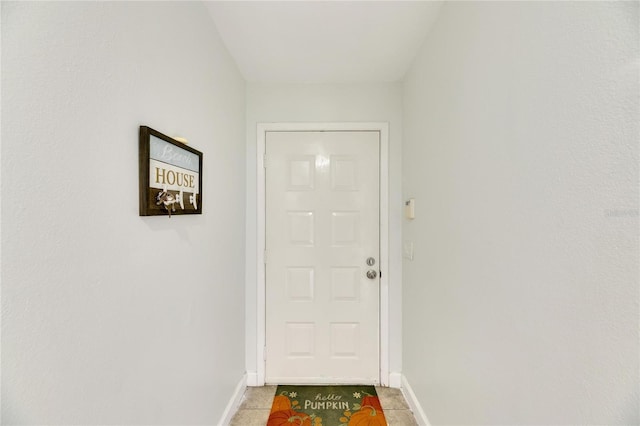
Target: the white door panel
(322, 223)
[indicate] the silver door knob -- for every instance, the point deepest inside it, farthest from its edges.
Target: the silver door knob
(371, 274)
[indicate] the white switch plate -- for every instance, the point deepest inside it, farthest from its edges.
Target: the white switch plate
(407, 250)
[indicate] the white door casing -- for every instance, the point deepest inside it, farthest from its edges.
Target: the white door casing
(257, 377)
(322, 226)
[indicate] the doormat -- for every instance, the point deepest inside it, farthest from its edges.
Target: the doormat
(326, 406)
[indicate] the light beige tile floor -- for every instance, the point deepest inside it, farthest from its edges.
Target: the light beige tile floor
(256, 404)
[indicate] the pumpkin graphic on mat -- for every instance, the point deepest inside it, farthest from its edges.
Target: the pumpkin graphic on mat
(372, 401)
(280, 403)
(288, 418)
(367, 416)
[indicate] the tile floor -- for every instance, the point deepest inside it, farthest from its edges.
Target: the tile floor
(256, 404)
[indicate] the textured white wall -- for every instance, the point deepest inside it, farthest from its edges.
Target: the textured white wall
(108, 317)
(328, 103)
(521, 149)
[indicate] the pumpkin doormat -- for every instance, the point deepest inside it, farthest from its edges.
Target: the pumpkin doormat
(326, 406)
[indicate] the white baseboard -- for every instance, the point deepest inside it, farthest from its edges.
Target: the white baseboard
(415, 406)
(395, 380)
(234, 402)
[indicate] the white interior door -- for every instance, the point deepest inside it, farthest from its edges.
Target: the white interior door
(322, 227)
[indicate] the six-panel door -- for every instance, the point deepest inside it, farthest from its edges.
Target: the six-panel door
(322, 224)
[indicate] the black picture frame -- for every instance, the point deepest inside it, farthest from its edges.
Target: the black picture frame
(170, 175)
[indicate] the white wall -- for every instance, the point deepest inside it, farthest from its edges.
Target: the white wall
(328, 103)
(521, 149)
(108, 317)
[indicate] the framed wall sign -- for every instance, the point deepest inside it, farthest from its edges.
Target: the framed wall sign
(170, 176)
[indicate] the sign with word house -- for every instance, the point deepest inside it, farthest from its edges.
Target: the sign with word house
(170, 176)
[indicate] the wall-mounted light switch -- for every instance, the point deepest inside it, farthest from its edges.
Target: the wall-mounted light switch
(410, 208)
(407, 250)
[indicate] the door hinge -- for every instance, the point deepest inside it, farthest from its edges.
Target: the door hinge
(264, 353)
(265, 257)
(264, 161)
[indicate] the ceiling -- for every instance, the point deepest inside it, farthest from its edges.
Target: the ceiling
(323, 41)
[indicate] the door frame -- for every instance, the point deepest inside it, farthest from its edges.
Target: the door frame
(383, 129)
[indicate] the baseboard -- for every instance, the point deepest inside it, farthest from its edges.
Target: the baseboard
(234, 402)
(415, 406)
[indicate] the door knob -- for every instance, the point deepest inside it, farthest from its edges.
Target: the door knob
(371, 274)
(371, 261)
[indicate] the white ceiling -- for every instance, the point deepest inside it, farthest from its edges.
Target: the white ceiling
(323, 41)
